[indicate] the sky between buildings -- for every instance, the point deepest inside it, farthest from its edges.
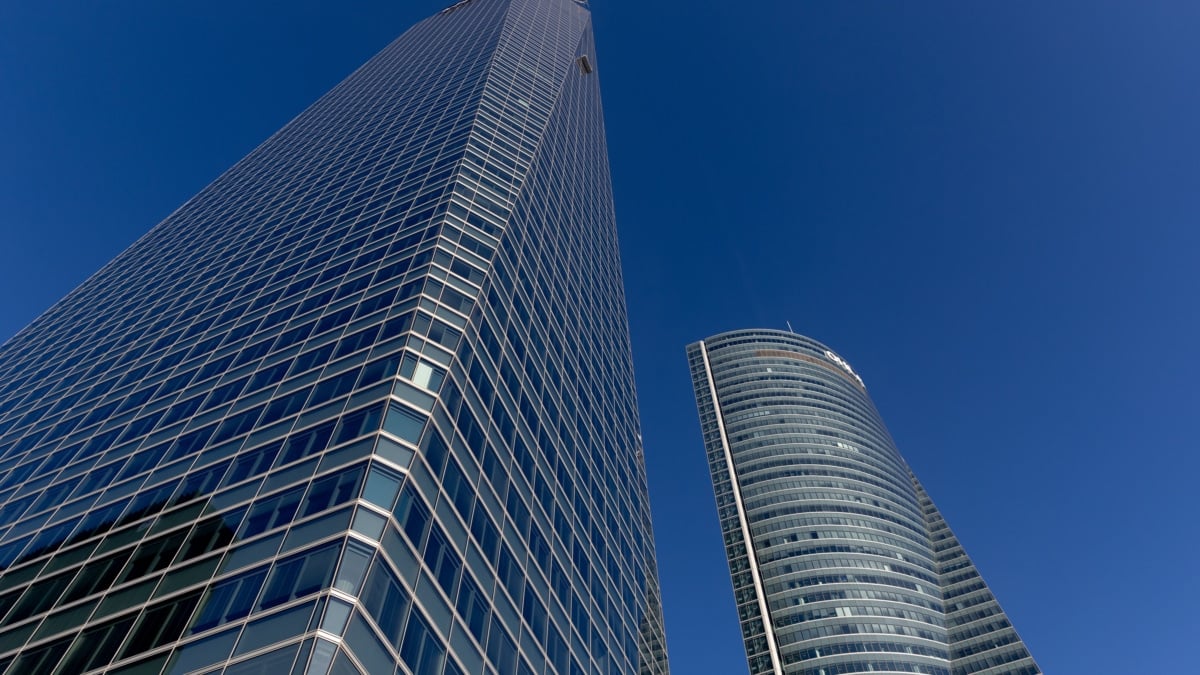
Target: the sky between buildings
(989, 209)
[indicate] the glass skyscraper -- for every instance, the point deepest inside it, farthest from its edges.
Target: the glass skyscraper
(840, 561)
(363, 405)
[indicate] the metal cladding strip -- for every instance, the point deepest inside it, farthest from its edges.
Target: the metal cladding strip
(759, 591)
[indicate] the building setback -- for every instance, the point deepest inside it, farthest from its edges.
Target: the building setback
(850, 566)
(364, 404)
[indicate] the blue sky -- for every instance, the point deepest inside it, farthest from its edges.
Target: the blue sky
(989, 209)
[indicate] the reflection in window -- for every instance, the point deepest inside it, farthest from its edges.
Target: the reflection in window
(300, 575)
(385, 601)
(404, 423)
(421, 650)
(161, 623)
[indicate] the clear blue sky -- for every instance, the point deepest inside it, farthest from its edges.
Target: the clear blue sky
(988, 208)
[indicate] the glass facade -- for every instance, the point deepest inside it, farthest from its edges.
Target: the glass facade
(363, 405)
(840, 561)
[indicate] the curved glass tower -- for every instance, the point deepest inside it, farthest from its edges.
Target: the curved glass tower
(850, 567)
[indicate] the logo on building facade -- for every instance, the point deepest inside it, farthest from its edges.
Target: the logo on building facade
(845, 366)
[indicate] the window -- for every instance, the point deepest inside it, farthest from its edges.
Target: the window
(307, 442)
(329, 491)
(403, 423)
(161, 624)
(385, 601)
(272, 512)
(230, 600)
(421, 650)
(300, 575)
